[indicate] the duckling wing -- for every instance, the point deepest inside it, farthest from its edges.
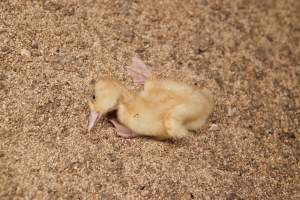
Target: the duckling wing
(142, 117)
(139, 71)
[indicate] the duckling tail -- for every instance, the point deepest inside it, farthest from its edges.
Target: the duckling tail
(209, 96)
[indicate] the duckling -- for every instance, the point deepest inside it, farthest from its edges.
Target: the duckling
(164, 109)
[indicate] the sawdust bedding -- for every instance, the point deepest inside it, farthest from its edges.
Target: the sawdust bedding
(245, 52)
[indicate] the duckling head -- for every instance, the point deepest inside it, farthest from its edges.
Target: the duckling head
(106, 98)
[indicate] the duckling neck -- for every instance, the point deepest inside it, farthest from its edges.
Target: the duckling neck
(126, 96)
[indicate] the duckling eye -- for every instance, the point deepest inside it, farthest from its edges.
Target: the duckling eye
(94, 97)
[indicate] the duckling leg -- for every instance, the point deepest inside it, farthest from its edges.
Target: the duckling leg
(139, 71)
(176, 118)
(122, 131)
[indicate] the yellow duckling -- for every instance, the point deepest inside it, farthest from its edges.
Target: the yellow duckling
(163, 109)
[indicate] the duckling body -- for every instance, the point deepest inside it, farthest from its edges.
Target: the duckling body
(163, 109)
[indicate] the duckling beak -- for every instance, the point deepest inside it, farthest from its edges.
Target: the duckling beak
(93, 119)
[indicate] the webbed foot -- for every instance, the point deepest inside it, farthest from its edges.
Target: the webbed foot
(122, 131)
(138, 71)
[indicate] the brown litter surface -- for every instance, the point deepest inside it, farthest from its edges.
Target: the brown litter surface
(245, 52)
